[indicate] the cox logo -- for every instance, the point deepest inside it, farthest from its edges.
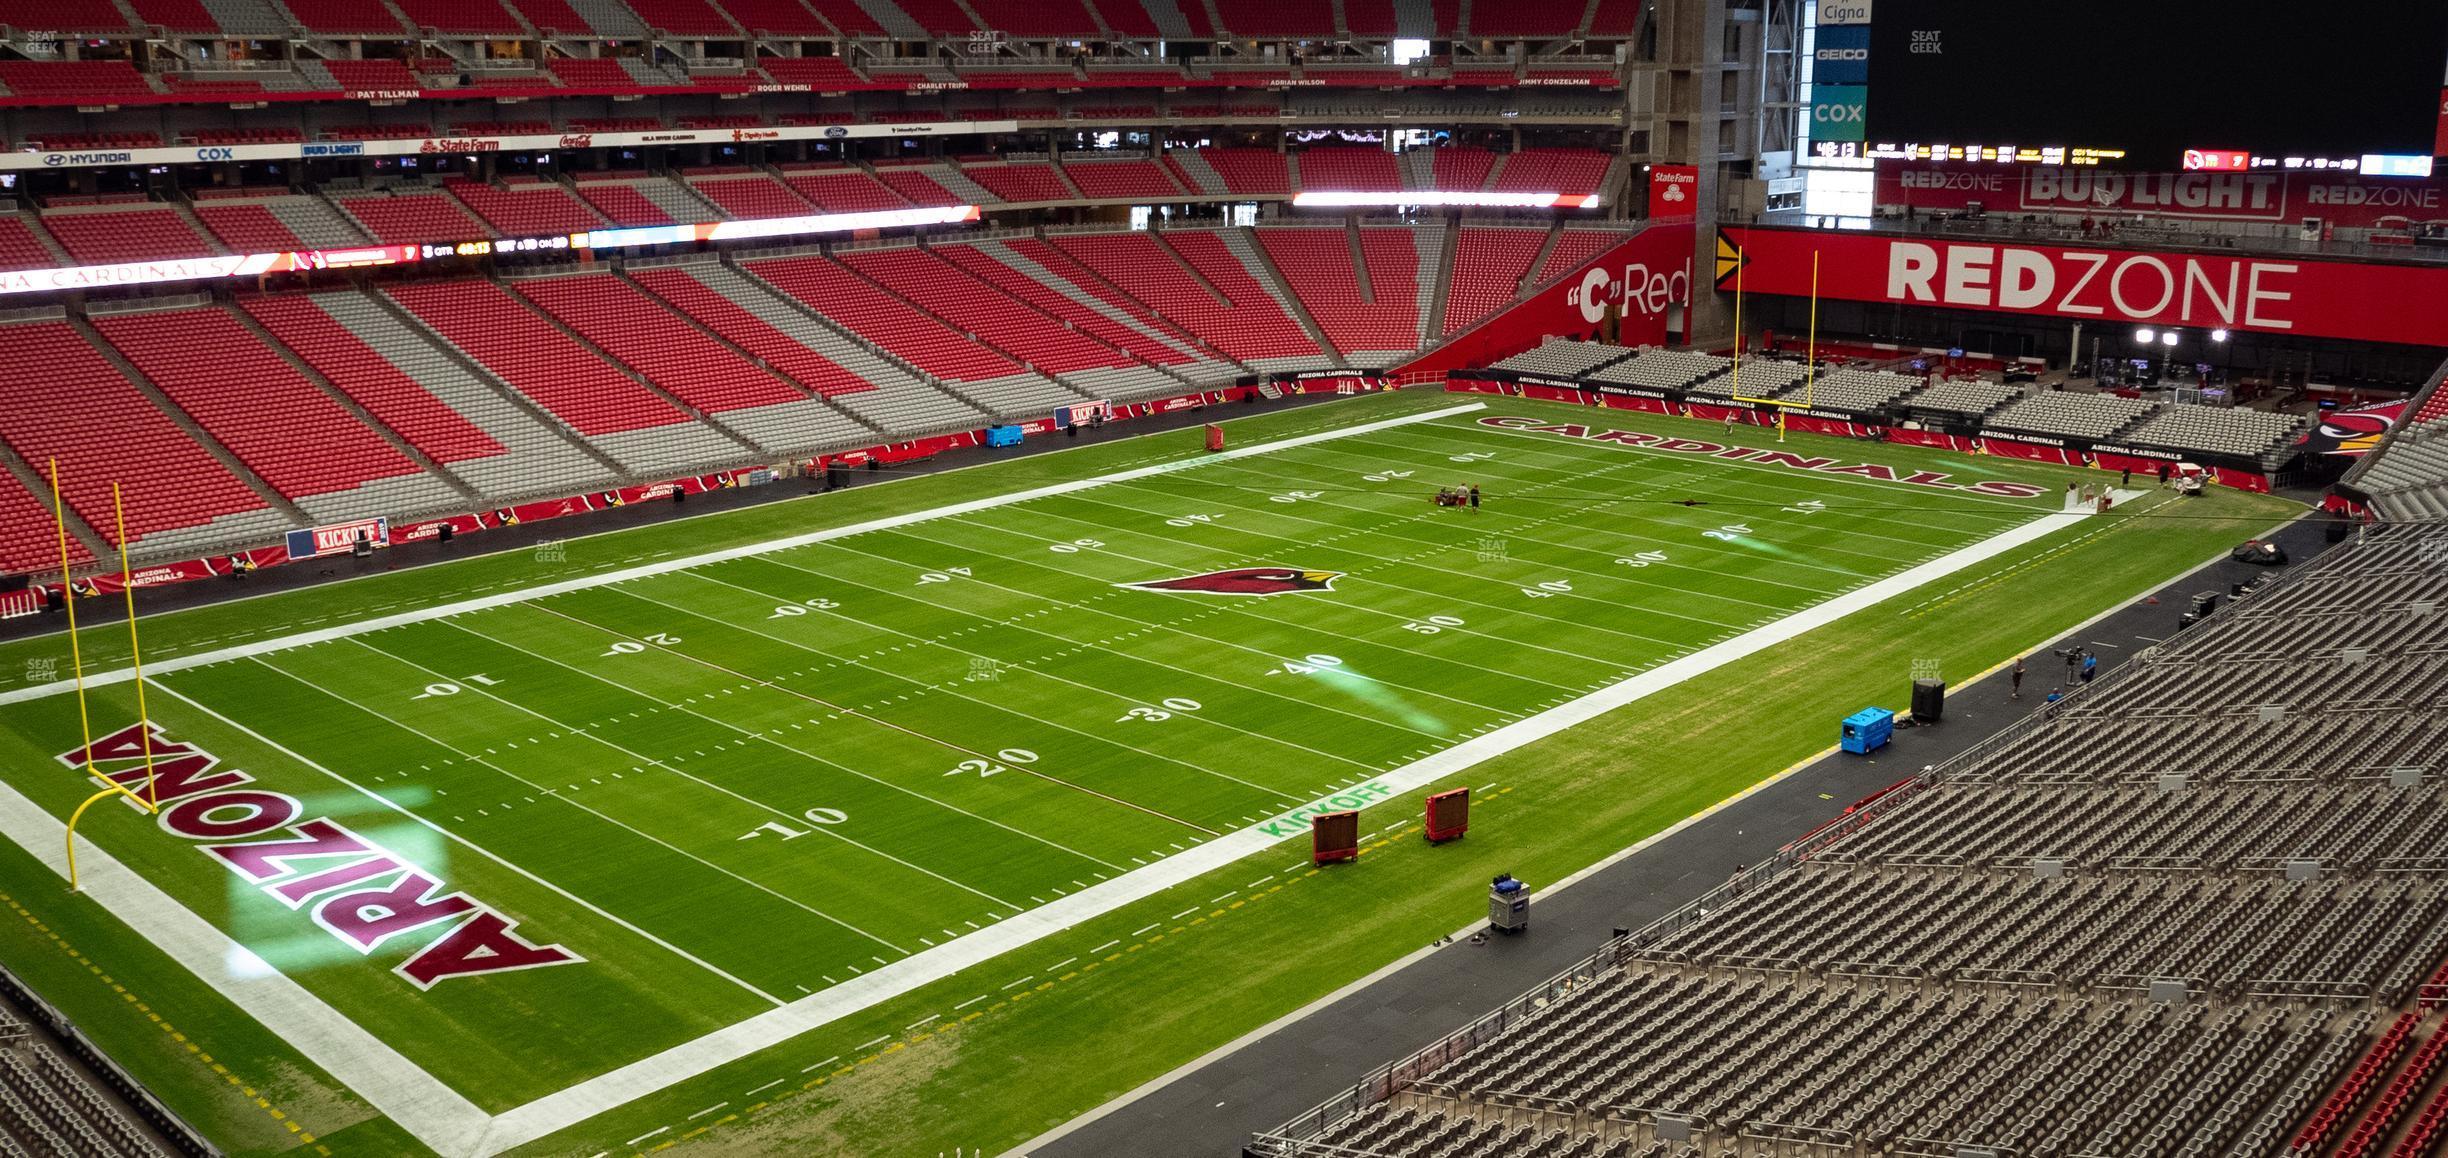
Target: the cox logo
(216, 155)
(1836, 114)
(1641, 291)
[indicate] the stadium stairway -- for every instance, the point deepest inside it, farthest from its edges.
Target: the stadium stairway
(234, 389)
(901, 398)
(690, 363)
(1262, 270)
(1223, 306)
(1037, 261)
(29, 537)
(190, 496)
(985, 375)
(430, 396)
(631, 423)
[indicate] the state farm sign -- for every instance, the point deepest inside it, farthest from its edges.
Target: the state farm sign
(2365, 301)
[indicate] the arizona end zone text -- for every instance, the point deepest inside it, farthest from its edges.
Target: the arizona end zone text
(355, 890)
(1921, 478)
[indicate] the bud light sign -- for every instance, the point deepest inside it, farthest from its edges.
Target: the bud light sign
(1842, 55)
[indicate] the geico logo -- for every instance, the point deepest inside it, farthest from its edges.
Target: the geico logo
(1836, 114)
(1844, 54)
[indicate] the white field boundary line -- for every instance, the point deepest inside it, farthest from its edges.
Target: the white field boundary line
(638, 1079)
(406, 1094)
(1405, 961)
(724, 555)
(652, 527)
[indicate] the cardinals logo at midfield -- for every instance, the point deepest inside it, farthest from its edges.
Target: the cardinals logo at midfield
(1246, 581)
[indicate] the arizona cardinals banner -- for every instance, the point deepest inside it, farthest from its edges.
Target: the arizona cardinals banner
(2352, 432)
(2362, 301)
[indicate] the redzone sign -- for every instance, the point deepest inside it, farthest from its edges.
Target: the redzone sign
(2330, 299)
(359, 892)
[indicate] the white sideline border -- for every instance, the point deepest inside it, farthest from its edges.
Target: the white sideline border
(723, 555)
(1236, 1045)
(451, 1130)
(643, 529)
(618, 1087)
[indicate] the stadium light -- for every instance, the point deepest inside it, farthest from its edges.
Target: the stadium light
(2218, 335)
(2167, 337)
(2145, 335)
(88, 277)
(1441, 200)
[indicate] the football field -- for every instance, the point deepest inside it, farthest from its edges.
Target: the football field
(534, 851)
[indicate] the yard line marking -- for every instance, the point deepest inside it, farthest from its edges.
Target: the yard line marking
(966, 1004)
(168, 665)
(422, 1105)
(646, 1135)
(873, 1044)
(1097, 950)
(707, 1110)
(780, 747)
(915, 1024)
(939, 740)
(275, 745)
(817, 1066)
(751, 883)
(1023, 981)
(762, 1088)
(1061, 963)
(678, 1063)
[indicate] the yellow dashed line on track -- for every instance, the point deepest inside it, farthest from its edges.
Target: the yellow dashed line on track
(166, 1027)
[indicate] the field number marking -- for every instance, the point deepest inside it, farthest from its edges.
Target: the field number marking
(446, 688)
(1153, 715)
(986, 768)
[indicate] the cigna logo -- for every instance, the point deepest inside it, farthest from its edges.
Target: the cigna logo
(1641, 291)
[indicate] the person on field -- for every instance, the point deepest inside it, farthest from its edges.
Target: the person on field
(2018, 679)
(1474, 496)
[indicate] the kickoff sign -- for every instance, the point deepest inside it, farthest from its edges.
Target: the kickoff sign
(339, 538)
(2358, 301)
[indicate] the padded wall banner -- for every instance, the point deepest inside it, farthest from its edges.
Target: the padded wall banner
(2359, 301)
(1649, 274)
(2279, 198)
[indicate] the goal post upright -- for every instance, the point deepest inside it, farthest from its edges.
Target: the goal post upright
(76, 662)
(1810, 363)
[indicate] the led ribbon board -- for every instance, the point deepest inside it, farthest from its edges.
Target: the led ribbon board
(133, 273)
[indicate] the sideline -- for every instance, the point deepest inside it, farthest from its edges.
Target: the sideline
(744, 551)
(558, 1111)
(1125, 1100)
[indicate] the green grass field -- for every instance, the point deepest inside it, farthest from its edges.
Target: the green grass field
(820, 780)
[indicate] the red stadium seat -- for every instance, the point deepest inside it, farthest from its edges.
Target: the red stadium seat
(279, 424)
(101, 429)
